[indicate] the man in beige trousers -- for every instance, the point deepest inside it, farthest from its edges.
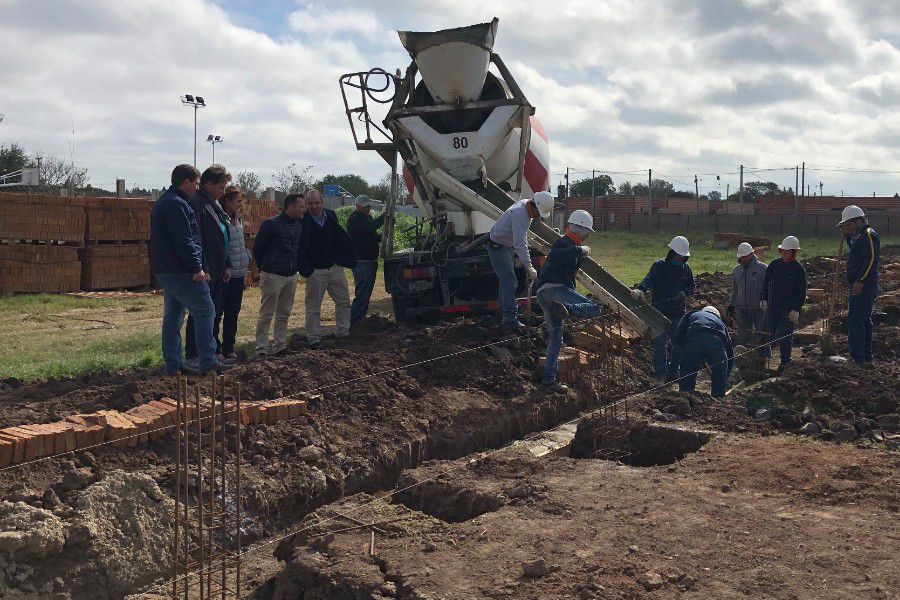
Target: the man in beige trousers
(279, 250)
(328, 250)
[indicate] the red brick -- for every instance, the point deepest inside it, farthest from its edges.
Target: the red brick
(37, 444)
(6, 452)
(18, 445)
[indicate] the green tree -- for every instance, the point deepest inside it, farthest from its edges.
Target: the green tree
(661, 189)
(249, 182)
(715, 196)
(13, 158)
(603, 186)
(626, 189)
(292, 179)
(354, 184)
(382, 189)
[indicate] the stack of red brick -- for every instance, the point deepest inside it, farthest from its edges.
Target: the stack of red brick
(572, 361)
(125, 429)
(593, 343)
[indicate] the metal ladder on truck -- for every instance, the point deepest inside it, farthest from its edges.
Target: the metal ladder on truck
(488, 198)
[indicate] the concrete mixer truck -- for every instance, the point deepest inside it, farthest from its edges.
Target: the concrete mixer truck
(470, 146)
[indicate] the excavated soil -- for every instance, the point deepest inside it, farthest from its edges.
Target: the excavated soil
(379, 417)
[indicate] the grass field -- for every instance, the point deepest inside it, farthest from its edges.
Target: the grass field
(49, 335)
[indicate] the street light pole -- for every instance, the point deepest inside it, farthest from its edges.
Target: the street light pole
(196, 102)
(214, 139)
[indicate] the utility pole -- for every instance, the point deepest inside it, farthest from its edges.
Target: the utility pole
(650, 189)
(566, 204)
(820, 189)
(803, 178)
(697, 193)
(593, 198)
(796, 189)
(741, 193)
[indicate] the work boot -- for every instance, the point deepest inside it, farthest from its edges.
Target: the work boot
(262, 355)
(219, 368)
(513, 327)
(559, 309)
(555, 387)
(192, 365)
(224, 359)
(314, 344)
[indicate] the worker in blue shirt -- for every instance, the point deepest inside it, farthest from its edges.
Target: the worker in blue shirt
(669, 282)
(782, 296)
(555, 291)
(862, 277)
(701, 338)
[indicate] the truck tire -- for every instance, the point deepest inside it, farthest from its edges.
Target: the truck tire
(399, 304)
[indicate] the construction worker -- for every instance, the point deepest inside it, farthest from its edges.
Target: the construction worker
(702, 339)
(555, 290)
(508, 239)
(363, 231)
(782, 296)
(746, 285)
(670, 281)
(862, 277)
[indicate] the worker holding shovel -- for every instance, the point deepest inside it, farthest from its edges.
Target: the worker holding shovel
(782, 297)
(555, 290)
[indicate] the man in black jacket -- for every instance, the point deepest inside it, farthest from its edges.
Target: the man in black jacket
(329, 251)
(213, 223)
(279, 251)
(783, 295)
(363, 231)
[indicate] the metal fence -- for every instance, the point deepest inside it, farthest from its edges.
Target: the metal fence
(799, 225)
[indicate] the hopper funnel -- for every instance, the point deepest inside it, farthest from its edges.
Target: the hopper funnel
(453, 62)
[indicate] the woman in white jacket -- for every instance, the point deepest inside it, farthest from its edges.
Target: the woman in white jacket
(232, 201)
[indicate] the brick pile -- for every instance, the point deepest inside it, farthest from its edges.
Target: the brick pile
(117, 219)
(136, 426)
(255, 212)
(39, 268)
(43, 218)
(783, 204)
(572, 361)
(106, 267)
(609, 212)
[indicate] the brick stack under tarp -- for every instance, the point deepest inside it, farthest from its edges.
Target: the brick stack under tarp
(39, 240)
(116, 233)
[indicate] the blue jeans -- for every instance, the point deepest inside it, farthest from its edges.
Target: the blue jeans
(703, 347)
(232, 297)
(747, 319)
(784, 333)
(503, 260)
(216, 293)
(364, 282)
(859, 323)
(662, 351)
(578, 306)
(182, 293)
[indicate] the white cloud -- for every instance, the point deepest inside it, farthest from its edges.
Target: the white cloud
(677, 86)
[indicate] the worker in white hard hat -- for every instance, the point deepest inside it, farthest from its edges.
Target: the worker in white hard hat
(701, 339)
(508, 240)
(746, 286)
(555, 291)
(670, 281)
(782, 297)
(862, 278)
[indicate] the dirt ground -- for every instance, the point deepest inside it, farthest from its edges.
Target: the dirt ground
(793, 505)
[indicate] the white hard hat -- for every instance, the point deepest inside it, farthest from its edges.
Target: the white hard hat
(544, 202)
(789, 243)
(582, 218)
(713, 310)
(744, 249)
(680, 246)
(851, 212)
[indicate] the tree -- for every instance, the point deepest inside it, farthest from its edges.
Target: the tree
(661, 189)
(626, 189)
(13, 158)
(290, 180)
(382, 189)
(715, 196)
(354, 184)
(249, 182)
(603, 186)
(55, 172)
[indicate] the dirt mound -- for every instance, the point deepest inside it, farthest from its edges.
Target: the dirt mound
(106, 543)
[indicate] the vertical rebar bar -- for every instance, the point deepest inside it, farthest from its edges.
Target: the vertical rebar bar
(237, 488)
(175, 521)
(223, 507)
(200, 515)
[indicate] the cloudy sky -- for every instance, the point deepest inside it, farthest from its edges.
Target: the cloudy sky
(679, 86)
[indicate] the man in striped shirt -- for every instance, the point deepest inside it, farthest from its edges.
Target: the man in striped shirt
(862, 278)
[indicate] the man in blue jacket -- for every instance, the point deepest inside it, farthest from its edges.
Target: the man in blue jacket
(783, 295)
(176, 259)
(670, 281)
(555, 291)
(862, 277)
(702, 339)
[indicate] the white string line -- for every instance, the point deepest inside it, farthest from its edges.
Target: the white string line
(458, 466)
(310, 391)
